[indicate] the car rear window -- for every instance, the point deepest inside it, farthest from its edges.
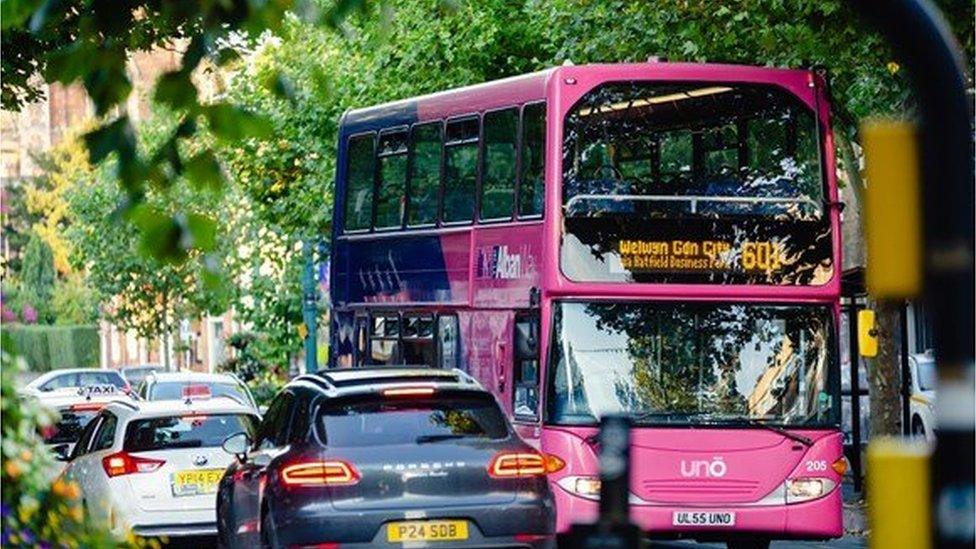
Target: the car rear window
(382, 421)
(185, 431)
(175, 390)
(68, 428)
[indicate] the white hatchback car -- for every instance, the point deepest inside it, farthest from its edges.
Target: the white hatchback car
(153, 467)
(180, 385)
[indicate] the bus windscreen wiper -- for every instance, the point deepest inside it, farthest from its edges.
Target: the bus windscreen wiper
(708, 417)
(792, 436)
(423, 439)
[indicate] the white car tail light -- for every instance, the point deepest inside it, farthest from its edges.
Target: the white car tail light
(122, 463)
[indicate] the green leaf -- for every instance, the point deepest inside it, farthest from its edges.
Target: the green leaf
(232, 123)
(109, 138)
(176, 90)
(203, 171)
(161, 236)
(107, 87)
(202, 231)
(13, 13)
(70, 63)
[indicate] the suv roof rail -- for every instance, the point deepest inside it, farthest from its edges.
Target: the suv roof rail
(316, 379)
(350, 377)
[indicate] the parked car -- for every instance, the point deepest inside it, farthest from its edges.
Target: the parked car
(153, 467)
(75, 377)
(135, 375)
(183, 385)
(385, 457)
(922, 402)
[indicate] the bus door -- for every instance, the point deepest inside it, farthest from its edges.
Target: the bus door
(360, 340)
(525, 374)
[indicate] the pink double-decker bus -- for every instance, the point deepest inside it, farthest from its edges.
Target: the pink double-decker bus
(655, 239)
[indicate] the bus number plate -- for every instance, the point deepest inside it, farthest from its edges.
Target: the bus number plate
(702, 518)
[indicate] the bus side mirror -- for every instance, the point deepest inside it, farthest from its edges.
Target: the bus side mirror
(867, 334)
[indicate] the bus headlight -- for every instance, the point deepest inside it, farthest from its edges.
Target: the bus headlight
(586, 487)
(805, 489)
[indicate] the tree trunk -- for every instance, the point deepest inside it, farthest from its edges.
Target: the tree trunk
(884, 371)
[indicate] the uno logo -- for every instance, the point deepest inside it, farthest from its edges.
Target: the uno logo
(715, 468)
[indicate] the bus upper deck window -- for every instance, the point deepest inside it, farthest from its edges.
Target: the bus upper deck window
(425, 174)
(359, 182)
(533, 156)
(498, 168)
(460, 170)
(392, 179)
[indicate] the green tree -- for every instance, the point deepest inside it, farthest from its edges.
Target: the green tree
(140, 292)
(37, 278)
(62, 167)
(90, 42)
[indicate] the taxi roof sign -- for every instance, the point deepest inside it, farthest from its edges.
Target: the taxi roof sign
(89, 391)
(196, 392)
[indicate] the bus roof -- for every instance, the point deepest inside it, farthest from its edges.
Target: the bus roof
(532, 87)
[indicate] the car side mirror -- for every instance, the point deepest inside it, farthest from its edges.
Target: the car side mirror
(61, 452)
(867, 334)
(237, 445)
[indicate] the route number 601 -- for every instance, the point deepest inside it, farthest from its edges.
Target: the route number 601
(817, 465)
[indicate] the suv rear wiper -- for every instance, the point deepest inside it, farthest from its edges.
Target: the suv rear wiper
(792, 436)
(422, 439)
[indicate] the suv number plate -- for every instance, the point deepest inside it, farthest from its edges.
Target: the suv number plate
(427, 530)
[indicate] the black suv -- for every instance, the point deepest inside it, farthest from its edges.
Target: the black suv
(382, 457)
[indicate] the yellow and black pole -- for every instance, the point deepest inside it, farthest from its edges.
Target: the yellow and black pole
(937, 259)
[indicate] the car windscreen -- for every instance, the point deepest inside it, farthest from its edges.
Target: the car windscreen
(67, 429)
(381, 421)
(175, 390)
(185, 431)
(927, 376)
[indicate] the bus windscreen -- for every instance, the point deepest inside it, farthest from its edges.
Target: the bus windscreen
(676, 363)
(694, 183)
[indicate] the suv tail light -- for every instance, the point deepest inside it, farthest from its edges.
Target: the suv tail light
(517, 465)
(320, 473)
(122, 463)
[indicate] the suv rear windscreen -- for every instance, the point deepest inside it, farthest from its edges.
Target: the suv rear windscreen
(185, 431)
(382, 421)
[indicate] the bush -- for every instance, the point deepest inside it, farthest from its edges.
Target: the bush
(31, 343)
(53, 347)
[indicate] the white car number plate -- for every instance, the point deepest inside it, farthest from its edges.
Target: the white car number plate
(703, 518)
